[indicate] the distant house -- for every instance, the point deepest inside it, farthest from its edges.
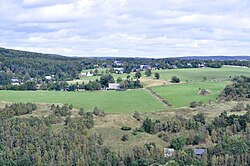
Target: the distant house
(144, 67)
(48, 77)
(114, 86)
(89, 74)
(201, 65)
(118, 63)
(15, 81)
(119, 70)
(200, 152)
(83, 75)
(168, 152)
(189, 65)
(174, 66)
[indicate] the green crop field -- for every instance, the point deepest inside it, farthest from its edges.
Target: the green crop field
(110, 101)
(180, 95)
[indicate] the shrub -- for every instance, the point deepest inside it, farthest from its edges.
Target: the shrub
(175, 79)
(125, 137)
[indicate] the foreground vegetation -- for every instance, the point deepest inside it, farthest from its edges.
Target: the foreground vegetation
(64, 136)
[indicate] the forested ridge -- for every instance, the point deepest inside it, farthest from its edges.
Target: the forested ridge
(16, 64)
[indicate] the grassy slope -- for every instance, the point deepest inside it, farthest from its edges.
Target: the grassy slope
(109, 101)
(180, 95)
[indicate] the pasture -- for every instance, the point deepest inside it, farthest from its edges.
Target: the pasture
(109, 101)
(198, 74)
(181, 95)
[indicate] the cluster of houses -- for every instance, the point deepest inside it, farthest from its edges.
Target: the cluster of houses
(16, 81)
(169, 152)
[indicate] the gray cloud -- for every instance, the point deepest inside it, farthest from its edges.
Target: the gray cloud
(146, 28)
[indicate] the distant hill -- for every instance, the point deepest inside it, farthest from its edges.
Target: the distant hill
(217, 58)
(15, 64)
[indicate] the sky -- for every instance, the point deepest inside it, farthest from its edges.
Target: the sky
(127, 28)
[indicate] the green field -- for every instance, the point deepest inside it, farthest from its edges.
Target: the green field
(197, 74)
(180, 95)
(110, 101)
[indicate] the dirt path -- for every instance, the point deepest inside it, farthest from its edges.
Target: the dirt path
(157, 96)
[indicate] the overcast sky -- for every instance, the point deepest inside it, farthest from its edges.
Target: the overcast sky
(142, 28)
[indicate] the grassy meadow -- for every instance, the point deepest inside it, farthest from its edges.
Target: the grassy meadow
(181, 95)
(211, 74)
(110, 101)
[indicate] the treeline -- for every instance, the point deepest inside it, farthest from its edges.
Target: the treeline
(238, 90)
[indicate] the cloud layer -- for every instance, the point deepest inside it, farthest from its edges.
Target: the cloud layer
(143, 28)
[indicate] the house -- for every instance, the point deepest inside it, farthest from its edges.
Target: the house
(202, 65)
(15, 81)
(83, 75)
(174, 66)
(48, 77)
(119, 70)
(89, 74)
(144, 67)
(200, 152)
(114, 86)
(118, 63)
(189, 65)
(168, 152)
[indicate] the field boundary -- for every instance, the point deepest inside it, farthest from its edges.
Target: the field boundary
(158, 97)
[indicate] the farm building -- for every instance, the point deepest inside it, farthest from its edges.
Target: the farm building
(168, 152)
(200, 152)
(89, 74)
(144, 67)
(118, 63)
(15, 81)
(114, 86)
(118, 70)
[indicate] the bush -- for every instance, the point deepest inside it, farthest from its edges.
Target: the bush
(81, 112)
(125, 137)
(178, 142)
(137, 116)
(175, 79)
(193, 104)
(157, 76)
(98, 112)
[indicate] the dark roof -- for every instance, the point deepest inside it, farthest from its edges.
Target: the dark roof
(199, 151)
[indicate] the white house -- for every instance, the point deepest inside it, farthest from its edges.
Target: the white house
(118, 63)
(15, 81)
(144, 67)
(168, 152)
(114, 86)
(48, 77)
(89, 74)
(119, 70)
